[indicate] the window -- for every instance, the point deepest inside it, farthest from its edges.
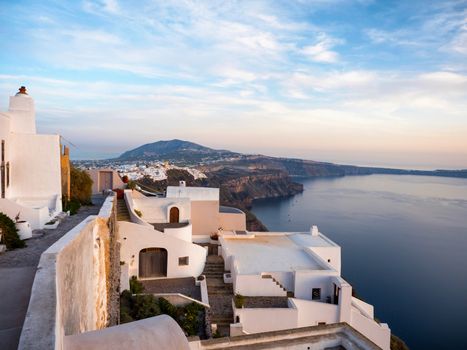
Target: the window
(316, 294)
(329, 260)
(3, 150)
(183, 261)
(8, 174)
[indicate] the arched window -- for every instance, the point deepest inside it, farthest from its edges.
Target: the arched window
(174, 215)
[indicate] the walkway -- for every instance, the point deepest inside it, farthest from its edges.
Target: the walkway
(122, 211)
(17, 271)
(220, 294)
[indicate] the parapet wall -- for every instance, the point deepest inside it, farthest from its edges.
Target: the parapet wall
(75, 284)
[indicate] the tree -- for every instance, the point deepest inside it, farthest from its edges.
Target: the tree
(81, 186)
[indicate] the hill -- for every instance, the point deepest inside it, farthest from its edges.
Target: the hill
(176, 151)
(219, 161)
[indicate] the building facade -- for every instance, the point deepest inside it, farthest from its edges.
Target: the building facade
(30, 173)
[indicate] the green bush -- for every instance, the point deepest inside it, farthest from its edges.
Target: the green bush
(131, 185)
(10, 233)
(239, 301)
(72, 206)
(136, 287)
(144, 306)
(140, 306)
(80, 186)
(138, 212)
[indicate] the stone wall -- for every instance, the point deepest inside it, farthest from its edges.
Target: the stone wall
(76, 286)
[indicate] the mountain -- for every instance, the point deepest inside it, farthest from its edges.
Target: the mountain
(177, 151)
(222, 161)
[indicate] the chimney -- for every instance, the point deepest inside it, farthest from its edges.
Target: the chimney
(22, 90)
(314, 230)
(182, 183)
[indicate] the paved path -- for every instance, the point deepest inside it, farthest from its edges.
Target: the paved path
(17, 271)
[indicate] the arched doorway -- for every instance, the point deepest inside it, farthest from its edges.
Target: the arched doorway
(153, 262)
(174, 215)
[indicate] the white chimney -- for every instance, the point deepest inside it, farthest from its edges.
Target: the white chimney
(182, 183)
(314, 230)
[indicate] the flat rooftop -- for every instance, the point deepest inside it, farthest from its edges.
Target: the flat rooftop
(274, 252)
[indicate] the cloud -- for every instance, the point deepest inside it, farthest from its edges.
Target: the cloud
(321, 50)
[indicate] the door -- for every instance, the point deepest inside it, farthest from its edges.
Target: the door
(2, 170)
(105, 181)
(336, 295)
(153, 263)
(174, 215)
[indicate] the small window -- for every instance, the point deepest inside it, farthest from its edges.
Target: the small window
(183, 261)
(321, 323)
(316, 294)
(329, 260)
(8, 174)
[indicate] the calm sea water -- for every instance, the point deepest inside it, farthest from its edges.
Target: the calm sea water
(404, 247)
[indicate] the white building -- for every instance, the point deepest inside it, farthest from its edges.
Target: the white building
(30, 176)
(168, 229)
(305, 268)
(301, 271)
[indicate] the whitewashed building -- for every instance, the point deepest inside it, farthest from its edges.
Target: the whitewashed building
(30, 175)
(302, 267)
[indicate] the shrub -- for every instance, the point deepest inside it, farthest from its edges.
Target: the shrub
(136, 287)
(239, 300)
(131, 185)
(80, 186)
(397, 343)
(139, 213)
(72, 206)
(144, 306)
(10, 233)
(125, 179)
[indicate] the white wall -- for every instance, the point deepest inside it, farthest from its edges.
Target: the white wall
(35, 166)
(69, 294)
(37, 217)
(306, 280)
(128, 197)
(193, 193)
(333, 254)
(183, 233)
(256, 320)
(255, 285)
(310, 313)
(157, 210)
(23, 115)
(380, 334)
(134, 238)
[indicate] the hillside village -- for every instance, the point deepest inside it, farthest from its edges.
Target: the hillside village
(179, 270)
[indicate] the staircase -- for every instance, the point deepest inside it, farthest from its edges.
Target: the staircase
(220, 294)
(289, 294)
(122, 211)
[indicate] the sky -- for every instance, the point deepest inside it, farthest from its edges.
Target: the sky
(359, 82)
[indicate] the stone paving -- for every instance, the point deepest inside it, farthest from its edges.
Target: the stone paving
(17, 271)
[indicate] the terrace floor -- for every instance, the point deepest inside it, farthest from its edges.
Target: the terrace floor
(161, 227)
(185, 286)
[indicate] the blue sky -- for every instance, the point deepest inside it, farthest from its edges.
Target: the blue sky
(361, 82)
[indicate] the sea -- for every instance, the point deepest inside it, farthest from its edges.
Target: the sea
(404, 247)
